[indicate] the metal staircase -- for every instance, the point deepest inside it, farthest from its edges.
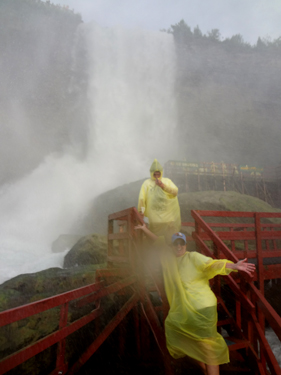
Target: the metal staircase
(141, 302)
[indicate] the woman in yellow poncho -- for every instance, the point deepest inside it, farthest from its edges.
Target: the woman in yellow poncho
(191, 324)
(159, 202)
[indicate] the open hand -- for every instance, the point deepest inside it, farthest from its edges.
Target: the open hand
(140, 227)
(243, 266)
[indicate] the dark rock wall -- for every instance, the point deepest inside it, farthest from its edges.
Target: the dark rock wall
(38, 108)
(228, 102)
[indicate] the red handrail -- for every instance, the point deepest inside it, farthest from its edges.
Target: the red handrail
(204, 232)
(249, 298)
(96, 291)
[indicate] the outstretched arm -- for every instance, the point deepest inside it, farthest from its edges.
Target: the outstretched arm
(242, 265)
(146, 231)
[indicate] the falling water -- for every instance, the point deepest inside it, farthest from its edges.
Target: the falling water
(131, 121)
(132, 98)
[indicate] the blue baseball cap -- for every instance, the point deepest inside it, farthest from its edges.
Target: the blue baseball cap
(175, 236)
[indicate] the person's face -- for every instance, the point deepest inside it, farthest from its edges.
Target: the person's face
(157, 174)
(179, 247)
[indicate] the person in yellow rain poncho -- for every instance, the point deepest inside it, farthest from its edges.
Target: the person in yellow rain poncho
(159, 202)
(191, 324)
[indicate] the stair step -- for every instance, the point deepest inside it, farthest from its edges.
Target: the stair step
(234, 369)
(234, 343)
(225, 322)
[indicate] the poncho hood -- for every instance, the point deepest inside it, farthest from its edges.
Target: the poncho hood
(156, 167)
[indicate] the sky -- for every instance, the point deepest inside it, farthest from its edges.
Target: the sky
(250, 18)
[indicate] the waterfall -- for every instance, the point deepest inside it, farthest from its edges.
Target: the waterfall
(132, 98)
(132, 119)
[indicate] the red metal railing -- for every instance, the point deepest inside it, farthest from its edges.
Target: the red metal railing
(126, 247)
(127, 274)
(251, 305)
(82, 296)
(97, 290)
(123, 249)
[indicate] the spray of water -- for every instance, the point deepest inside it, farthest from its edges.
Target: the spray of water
(133, 104)
(132, 118)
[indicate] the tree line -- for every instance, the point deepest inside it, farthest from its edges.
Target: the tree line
(184, 35)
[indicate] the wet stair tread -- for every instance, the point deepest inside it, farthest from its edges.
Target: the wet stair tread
(234, 369)
(234, 343)
(225, 322)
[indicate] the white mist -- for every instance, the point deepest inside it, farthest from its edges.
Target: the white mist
(132, 121)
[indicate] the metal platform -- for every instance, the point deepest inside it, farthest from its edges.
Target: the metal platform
(128, 277)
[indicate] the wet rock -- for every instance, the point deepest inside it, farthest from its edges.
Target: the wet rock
(114, 200)
(88, 250)
(221, 201)
(28, 288)
(64, 242)
(32, 287)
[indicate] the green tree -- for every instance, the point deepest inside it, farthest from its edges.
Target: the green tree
(182, 32)
(197, 32)
(261, 45)
(277, 42)
(214, 34)
(236, 41)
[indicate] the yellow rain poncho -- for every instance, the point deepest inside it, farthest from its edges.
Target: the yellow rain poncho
(191, 325)
(160, 205)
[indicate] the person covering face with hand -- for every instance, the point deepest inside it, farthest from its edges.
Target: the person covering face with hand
(159, 202)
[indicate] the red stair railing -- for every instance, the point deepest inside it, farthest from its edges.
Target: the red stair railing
(251, 305)
(124, 252)
(96, 291)
(126, 273)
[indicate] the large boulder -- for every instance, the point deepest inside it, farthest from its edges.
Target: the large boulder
(29, 288)
(81, 262)
(127, 196)
(64, 242)
(114, 200)
(221, 201)
(88, 250)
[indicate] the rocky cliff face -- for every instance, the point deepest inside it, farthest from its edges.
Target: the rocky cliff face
(127, 196)
(38, 105)
(228, 102)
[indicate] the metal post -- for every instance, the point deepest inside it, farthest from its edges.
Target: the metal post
(259, 252)
(137, 329)
(260, 274)
(110, 242)
(61, 366)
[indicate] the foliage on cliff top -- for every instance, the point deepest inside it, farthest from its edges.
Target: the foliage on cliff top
(183, 34)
